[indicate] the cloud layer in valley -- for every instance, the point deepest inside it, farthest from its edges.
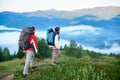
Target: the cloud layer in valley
(80, 30)
(10, 39)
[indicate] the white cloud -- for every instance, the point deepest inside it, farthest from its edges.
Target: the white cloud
(41, 34)
(6, 28)
(115, 48)
(81, 29)
(10, 39)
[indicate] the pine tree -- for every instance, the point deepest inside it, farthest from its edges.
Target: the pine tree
(6, 54)
(1, 55)
(20, 54)
(43, 49)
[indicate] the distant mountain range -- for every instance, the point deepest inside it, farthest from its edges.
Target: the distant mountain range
(100, 12)
(50, 18)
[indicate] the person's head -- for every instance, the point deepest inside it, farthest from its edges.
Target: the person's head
(57, 28)
(33, 28)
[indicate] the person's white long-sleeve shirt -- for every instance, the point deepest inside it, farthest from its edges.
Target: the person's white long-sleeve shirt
(57, 41)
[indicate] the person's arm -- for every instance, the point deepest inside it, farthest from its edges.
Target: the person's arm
(56, 42)
(35, 44)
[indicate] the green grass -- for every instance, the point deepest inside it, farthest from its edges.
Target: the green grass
(69, 68)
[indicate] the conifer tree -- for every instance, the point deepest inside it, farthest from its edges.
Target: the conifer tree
(6, 54)
(1, 55)
(43, 49)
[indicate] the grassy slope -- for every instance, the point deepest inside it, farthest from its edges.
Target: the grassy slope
(69, 68)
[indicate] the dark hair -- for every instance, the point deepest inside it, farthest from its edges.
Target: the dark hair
(57, 28)
(33, 28)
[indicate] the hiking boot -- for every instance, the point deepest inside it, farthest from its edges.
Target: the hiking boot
(24, 75)
(56, 62)
(34, 67)
(53, 64)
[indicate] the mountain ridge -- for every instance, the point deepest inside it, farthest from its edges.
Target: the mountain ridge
(106, 13)
(52, 17)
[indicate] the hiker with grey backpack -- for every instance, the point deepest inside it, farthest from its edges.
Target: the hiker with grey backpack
(53, 41)
(28, 43)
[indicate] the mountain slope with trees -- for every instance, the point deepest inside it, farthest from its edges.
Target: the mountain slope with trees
(74, 63)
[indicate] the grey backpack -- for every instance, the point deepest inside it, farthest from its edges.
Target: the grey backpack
(24, 38)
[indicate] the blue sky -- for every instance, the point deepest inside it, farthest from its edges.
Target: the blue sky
(33, 5)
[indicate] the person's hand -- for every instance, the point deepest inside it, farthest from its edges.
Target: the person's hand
(24, 51)
(37, 53)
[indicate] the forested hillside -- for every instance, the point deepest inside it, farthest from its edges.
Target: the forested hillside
(74, 63)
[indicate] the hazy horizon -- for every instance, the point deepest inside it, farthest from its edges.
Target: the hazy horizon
(64, 5)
